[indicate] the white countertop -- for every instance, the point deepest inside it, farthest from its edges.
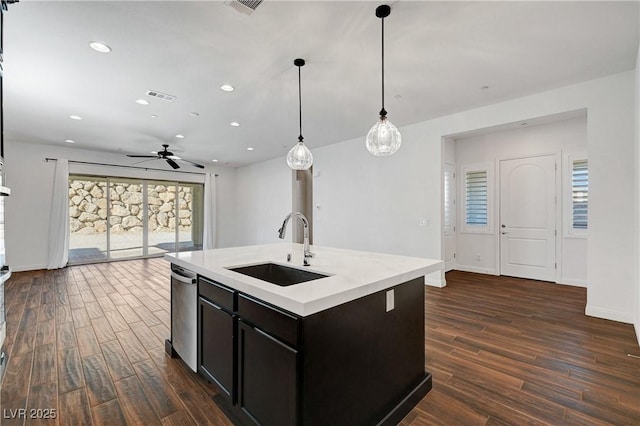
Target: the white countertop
(353, 274)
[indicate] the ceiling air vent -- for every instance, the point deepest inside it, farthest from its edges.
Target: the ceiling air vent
(244, 6)
(160, 95)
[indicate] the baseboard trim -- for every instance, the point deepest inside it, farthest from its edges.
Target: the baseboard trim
(572, 281)
(477, 270)
(608, 314)
(435, 282)
(23, 268)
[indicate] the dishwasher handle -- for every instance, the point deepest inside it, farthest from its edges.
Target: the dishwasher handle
(183, 279)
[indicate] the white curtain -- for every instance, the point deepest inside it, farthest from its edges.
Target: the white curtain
(209, 237)
(59, 218)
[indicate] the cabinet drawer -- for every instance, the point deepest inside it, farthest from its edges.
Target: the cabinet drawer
(278, 323)
(217, 293)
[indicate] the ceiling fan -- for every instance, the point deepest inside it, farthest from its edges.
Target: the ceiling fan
(168, 156)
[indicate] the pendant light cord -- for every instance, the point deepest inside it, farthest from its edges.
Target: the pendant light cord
(383, 113)
(300, 138)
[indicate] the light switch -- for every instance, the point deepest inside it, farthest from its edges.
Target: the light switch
(390, 301)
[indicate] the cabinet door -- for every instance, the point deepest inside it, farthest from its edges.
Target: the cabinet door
(216, 351)
(268, 378)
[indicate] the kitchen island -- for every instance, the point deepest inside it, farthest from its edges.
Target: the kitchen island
(344, 347)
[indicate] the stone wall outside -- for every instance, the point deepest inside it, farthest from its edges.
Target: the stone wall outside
(88, 207)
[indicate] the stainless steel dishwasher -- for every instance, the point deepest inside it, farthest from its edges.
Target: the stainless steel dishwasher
(184, 315)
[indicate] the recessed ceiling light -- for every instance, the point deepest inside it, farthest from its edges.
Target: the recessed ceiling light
(485, 87)
(69, 141)
(100, 47)
(194, 115)
(227, 88)
(214, 161)
(234, 124)
(249, 149)
(142, 101)
(180, 136)
(75, 117)
(154, 115)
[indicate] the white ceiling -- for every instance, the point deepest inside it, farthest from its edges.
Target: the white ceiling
(438, 56)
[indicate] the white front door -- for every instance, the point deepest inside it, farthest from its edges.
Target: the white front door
(528, 217)
(449, 214)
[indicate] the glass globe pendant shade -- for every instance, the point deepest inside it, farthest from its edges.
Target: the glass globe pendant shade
(299, 157)
(384, 138)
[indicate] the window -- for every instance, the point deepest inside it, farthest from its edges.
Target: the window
(117, 218)
(579, 193)
(477, 196)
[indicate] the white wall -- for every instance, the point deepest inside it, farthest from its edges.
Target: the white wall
(566, 136)
(264, 199)
(30, 179)
(377, 204)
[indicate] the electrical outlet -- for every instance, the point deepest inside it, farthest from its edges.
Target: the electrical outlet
(478, 257)
(424, 222)
(390, 301)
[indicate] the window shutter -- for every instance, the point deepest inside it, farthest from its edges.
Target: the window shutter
(579, 193)
(449, 208)
(476, 198)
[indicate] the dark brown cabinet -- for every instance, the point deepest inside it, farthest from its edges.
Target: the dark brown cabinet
(216, 335)
(357, 363)
(267, 377)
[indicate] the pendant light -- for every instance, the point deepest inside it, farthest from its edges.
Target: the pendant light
(383, 138)
(299, 158)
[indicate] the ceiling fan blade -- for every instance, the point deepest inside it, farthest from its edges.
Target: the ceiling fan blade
(144, 161)
(142, 156)
(172, 163)
(200, 166)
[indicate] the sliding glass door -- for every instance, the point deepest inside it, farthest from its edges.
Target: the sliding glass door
(87, 219)
(161, 224)
(126, 213)
(117, 218)
(190, 226)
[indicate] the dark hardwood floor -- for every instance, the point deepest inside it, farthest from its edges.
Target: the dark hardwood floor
(88, 341)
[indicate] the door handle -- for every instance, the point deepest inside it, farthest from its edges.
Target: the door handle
(182, 278)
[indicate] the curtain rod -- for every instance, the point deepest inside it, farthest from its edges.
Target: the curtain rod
(127, 167)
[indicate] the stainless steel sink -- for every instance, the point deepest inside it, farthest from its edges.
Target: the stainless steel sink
(278, 274)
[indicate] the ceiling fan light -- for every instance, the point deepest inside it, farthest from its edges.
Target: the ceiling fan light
(384, 138)
(299, 157)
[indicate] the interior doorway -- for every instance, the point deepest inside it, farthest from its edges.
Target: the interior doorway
(528, 213)
(302, 202)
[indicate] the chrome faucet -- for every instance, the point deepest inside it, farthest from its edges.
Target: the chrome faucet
(305, 225)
